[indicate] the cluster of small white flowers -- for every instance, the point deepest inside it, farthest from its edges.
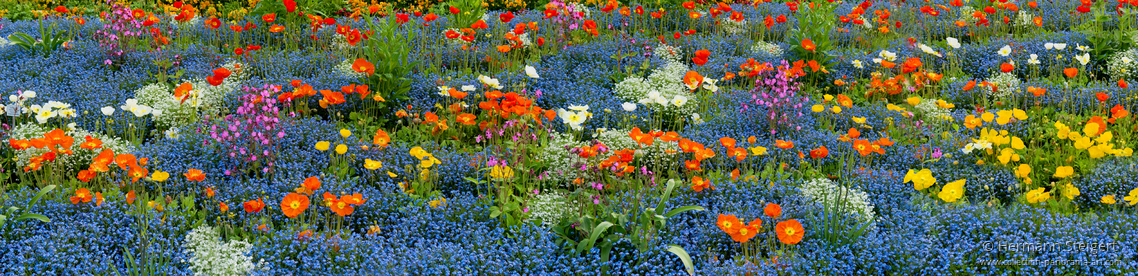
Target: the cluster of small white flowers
(340, 42)
(79, 158)
(211, 256)
(526, 41)
(932, 112)
(663, 90)
(1123, 65)
(345, 69)
(561, 162)
(668, 52)
(550, 208)
(734, 27)
(1006, 83)
(170, 111)
(192, 23)
(1024, 19)
(965, 15)
(5, 42)
(766, 47)
(826, 193)
(578, 7)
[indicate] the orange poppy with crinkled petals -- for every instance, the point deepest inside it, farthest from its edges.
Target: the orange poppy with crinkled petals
(293, 204)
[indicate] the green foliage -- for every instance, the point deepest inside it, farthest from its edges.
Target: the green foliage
(470, 11)
(1105, 43)
(48, 42)
(591, 232)
(814, 24)
(18, 213)
(324, 8)
(838, 226)
(388, 50)
(18, 10)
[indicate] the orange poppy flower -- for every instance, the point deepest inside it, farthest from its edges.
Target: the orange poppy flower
(130, 196)
(783, 144)
(692, 79)
(1122, 83)
(728, 223)
(863, 147)
(692, 165)
(381, 138)
(91, 143)
(641, 137)
(254, 206)
(224, 207)
(808, 45)
(790, 231)
(884, 141)
(772, 210)
(911, 64)
(1007, 67)
(137, 172)
(354, 199)
(698, 184)
(820, 152)
(969, 85)
(467, 119)
(1102, 97)
(704, 153)
(363, 66)
(844, 100)
(340, 207)
(745, 233)
(312, 184)
(727, 142)
(194, 175)
(1071, 72)
(293, 204)
(81, 195)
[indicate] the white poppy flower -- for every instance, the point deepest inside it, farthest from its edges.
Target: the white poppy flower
(630, 107)
(679, 100)
(491, 82)
(108, 110)
(1005, 51)
(532, 72)
(1084, 58)
(953, 42)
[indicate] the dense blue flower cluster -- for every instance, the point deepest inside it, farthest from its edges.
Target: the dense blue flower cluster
(393, 233)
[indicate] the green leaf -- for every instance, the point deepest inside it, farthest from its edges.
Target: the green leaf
(39, 217)
(40, 194)
(684, 257)
(677, 211)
